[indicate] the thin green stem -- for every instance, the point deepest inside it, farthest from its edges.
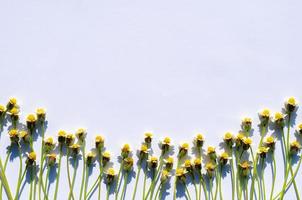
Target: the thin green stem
(101, 172)
(96, 182)
(83, 170)
(73, 178)
(220, 192)
(274, 176)
(233, 177)
(136, 181)
(118, 182)
(4, 182)
(46, 182)
(68, 171)
(86, 182)
(125, 186)
(59, 172)
(262, 179)
(157, 191)
(31, 183)
(187, 191)
(108, 191)
(145, 181)
(41, 159)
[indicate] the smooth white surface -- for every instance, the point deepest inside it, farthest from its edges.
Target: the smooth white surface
(120, 68)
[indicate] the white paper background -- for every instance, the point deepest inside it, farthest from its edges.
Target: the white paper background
(120, 68)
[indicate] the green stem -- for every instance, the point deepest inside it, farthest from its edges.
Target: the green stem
(68, 171)
(274, 176)
(5, 165)
(59, 172)
(101, 173)
(41, 159)
(187, 191)
(220, 192)
(19, 183)
(4, 182)
(96, 182)
(20, 171)
(84, 167)
(136, 181)
(46, 182)
(194, 183)
(216, 187)
(31, 183)
(118, 182)
(233, 177)
(155, 180)
(35, 181)
(294, 182)
(86, 182)
(107, 193)
(145, 181)
(255, 161)
(73, 179)
(262, 179)
(157, 191)
(204, 187)
(125, 186)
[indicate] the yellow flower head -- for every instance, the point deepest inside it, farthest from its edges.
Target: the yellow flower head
(210, 167)
(41, 113)
(13, 133)
(240, 136)
(24, 135)
(188, 163)
(111, 172)
(224, 156)
(81, 134)
(247, 140)
(90, 157)
(126, 148)
(197, 161)
(31, 118)
(106, 154)
(290, 104)
(228, 136)
(245, 165)
(263, 150)
(148, 137)
(12, 102)
(69, 138)
(153, 161)
(166, 140)
(169, 163)
(299, 128)
(295, 147)
(164, 176)
(49, 140)
(211, 149)
(246, 124)
(179, 172)
(199, 140)
(61, 136)
(75, 148)
(2, 109)
(199, 137)
(265, 113)
(279, 116)
(184, 146)
(32, 156)
(110, 175)
(51, 159)
(99, 141)
(128, 163)
(144, 148)
(270, 141)
(14, 111)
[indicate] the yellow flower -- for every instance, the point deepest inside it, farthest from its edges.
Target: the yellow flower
(245, 165)
(144, 148)
(247, 124)
(148, 137)
(32, 155)
(128, 163)
(31, 118)
(299, 128)
(247, 140)
(111, 172)
(278, 116)
(169, 163)
(31, 158)
(13, 135)
(125, 150)
(51, 159)
(24, 136)
(199, 140)
(81, 134)
(210, 168)
(110, 176)
(244, 168)
(49, 140)
(279, 119)
(106, 154)
(2, 109)
(211, 149)
(183, 149)
(188, 165)
(265, 113)
(61, 136)
(290, 104)
(164, 176)
(40, 112)
(262, 150)
(99, 141)
(14, 111)
(180, 174)
(228, 139)
(143, 152)
(166, 140)
(153, 162)
(197, 163)
(270, 141)
(75, 148)
(69, 139)
(11, 103)
(224, 157)
(90, 157)
(295, 147)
